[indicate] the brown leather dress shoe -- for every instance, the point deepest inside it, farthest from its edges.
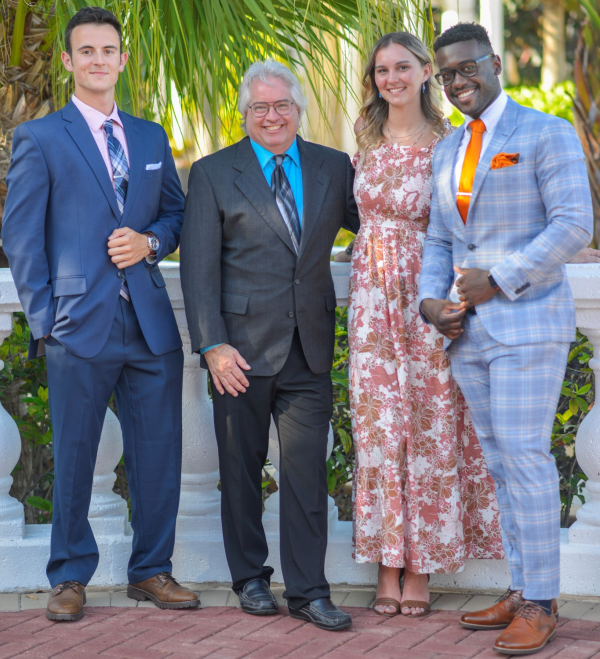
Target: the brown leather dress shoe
(164, 591)
(66, 601)
(498, 616)
(529, 632)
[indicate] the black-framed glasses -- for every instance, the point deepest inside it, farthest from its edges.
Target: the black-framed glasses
(466, 69)
(260, 109)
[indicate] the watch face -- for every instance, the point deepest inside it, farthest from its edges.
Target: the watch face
(153, 243)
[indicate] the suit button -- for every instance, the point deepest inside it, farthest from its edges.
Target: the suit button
(297, 282)
(472, 247)
(291, 314)
(119, 274)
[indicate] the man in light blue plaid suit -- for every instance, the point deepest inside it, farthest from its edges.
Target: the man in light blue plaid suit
(511, 206)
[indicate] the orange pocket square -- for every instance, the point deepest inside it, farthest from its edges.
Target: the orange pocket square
(505, 160)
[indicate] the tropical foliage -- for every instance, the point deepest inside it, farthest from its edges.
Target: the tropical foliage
(587, 101)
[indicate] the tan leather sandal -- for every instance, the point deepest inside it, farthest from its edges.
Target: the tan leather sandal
(387, 601)
(416, 604)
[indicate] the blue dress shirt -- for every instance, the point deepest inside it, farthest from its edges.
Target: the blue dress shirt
(291, 167)
(293, 171)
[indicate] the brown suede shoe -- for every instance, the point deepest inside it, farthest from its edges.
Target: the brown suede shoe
(529, 632)
(66, 601)
(164, 591)
(500, 615)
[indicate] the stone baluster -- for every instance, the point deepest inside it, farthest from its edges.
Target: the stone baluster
(200, 503)
(12, 520)
(108, 512)
(584, 284)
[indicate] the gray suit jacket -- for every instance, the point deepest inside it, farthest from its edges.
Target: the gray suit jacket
(242, 281)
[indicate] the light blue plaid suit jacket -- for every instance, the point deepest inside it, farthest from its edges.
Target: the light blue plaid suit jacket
(525, 222)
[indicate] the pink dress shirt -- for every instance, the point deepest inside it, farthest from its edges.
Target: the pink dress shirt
(95, 120)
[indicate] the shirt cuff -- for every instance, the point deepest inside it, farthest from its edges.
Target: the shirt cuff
(216, 345)
(150, 260)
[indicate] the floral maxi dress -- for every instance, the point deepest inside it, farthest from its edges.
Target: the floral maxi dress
(423, 497)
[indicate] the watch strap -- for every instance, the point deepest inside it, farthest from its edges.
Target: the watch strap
(492, 281)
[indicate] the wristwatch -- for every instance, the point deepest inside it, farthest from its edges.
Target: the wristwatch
(153, 243)
(492, 281)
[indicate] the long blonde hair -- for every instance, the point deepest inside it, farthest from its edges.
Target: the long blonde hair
(374, 111)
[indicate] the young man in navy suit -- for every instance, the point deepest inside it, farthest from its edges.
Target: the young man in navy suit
(94, 203)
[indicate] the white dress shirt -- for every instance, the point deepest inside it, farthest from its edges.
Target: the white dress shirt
(490, 117)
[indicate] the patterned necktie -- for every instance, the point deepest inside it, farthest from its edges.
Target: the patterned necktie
(285, 200)
(467, 176)
(120, 168)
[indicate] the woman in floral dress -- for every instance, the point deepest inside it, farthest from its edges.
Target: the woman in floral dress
(423, 498)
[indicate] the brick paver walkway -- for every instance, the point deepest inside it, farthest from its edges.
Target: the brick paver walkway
(227, 633)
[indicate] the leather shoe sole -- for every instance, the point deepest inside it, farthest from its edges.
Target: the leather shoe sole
(66, 617)
(299, 614)
(529, 650)
(142, 595)
(259, 612)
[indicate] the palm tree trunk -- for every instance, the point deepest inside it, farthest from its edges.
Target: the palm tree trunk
(553, 56)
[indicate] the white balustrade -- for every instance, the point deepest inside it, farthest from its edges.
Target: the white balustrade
(12, 519)
(199, 555)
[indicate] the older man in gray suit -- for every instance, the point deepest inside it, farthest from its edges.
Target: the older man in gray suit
(261, 217)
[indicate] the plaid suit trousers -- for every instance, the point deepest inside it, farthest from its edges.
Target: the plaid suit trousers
(512, 393)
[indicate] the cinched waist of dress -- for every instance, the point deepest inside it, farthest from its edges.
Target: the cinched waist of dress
(402, 224)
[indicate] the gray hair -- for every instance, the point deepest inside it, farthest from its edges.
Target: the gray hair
(262, 71)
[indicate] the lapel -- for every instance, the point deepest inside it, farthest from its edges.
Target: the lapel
(135, 147)
(83, 138)
(314, 186)
(451, 144)
(505, 128)
(253, 185)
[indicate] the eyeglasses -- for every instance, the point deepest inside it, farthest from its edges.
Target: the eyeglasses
(260, 110)
(466, 69)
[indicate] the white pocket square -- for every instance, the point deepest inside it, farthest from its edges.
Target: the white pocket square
(154, 165)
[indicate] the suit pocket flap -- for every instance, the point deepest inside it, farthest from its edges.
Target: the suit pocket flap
(234, 303)
(157, 277)
(330, 301)
(69, 286)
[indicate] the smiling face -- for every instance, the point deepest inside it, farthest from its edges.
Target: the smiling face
(96, 60)
(471, 95)
(273, 132)
(399, 75)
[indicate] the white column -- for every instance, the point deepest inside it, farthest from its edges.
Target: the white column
(585, 287)
(108, 512)
(491, 16)
(200, 503)
(12, 521)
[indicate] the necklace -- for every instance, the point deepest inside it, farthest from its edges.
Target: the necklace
(404, 137)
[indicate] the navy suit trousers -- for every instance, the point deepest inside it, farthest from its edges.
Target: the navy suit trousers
(147, 390)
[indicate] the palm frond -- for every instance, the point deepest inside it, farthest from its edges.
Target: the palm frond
(203, 48)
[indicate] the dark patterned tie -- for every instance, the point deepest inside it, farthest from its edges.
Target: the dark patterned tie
(120, 168)
(285, 200)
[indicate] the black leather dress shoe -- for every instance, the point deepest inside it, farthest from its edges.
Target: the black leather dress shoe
(256, 598)
(324, 613)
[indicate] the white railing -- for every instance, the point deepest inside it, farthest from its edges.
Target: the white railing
(199, 555)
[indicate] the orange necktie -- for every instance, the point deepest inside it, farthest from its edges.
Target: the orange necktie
(467, 176)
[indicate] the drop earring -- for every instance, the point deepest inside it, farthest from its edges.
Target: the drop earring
(380, 96)
(423, 87)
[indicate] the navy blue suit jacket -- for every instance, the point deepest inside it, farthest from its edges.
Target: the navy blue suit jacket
(60, 210)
